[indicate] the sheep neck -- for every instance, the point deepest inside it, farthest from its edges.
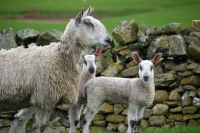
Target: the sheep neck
(149, 84)
(71, 41)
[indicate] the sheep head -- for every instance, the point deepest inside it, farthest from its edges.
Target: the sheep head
(90, 31)
(146, 66)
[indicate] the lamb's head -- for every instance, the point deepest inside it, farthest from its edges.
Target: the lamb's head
(146, 66)
(89, 61)
(90, 31)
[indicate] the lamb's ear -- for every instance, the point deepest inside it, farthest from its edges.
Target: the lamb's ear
(136, 57)
(87, 12)
(78, 17)
(156, 58)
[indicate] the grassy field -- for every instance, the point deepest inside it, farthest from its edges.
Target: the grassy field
(109, 12)
(165, 130)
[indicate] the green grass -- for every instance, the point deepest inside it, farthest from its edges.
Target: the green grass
(172, 130)
(187, 129)
(109, 12)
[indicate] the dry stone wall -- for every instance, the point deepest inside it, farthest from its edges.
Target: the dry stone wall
(177, 76)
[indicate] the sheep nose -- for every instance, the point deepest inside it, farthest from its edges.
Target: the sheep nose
(91, 70)
(108, 40)
(146, 78)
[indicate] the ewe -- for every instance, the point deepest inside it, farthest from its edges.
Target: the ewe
(45, 76)
(88, 72)
(136, 93)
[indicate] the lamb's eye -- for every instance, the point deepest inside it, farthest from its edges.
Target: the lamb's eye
(85, 62)
(141, 68)
(151, 68)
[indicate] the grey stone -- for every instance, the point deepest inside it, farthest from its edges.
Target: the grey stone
(160, 109)
(161, 96)
(189, 110)
(26, 36)
(121, 127)
(191, 116)
(7, 39)
(191, 80)
(157, 120)
(196, 102)
(174, 95)
(129, 72)
(106, 108)
(193, 123)
(99, 123)
(49, 36)
(126, 32)
(195, 34)
(118, 108)
(164, 79)
(194, 47)
(145, 35)
(5, 123)
(115, 118)
(189, 88)
(171, 28)
(198, 92)
(104, 61)
(195, 67)
(112, 70)
(176, 117)
(192, 93)
(186, 100)
(111, 127)
(147, 113)
(144, 124)
(175, 110)
(169, 46)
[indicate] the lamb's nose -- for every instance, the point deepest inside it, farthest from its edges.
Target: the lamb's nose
(146, 78)
(108, 39)
(91, 70)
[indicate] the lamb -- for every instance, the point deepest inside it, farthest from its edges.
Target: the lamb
(88, 72)
(136, 93)
(46, 76)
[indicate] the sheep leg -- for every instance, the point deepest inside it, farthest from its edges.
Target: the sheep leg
(41, 119)
(74, 112)
(20, 120)
(134, 117)
(88, 114)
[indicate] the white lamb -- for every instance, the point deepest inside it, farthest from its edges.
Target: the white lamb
(88, 72)
(46, 76)
(136, 93)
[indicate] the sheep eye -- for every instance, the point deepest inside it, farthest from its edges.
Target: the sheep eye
(85, 62)
(88, 22)
(141, 68)
(151, 68)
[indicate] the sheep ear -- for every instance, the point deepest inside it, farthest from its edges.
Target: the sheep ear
(78, 17)
(136, 57)
(87, 12)
(156, 58)
(98, 51)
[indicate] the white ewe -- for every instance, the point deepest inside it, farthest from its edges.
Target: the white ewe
(46, 76)
(88, 72)
(136, 93)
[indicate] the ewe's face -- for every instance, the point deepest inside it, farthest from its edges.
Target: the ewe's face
(89, 63)
(146, 70)
(93, 33)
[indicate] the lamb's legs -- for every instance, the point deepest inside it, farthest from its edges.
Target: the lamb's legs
(74, 113)
(135, 115)
(21, 118)
(88, 114)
